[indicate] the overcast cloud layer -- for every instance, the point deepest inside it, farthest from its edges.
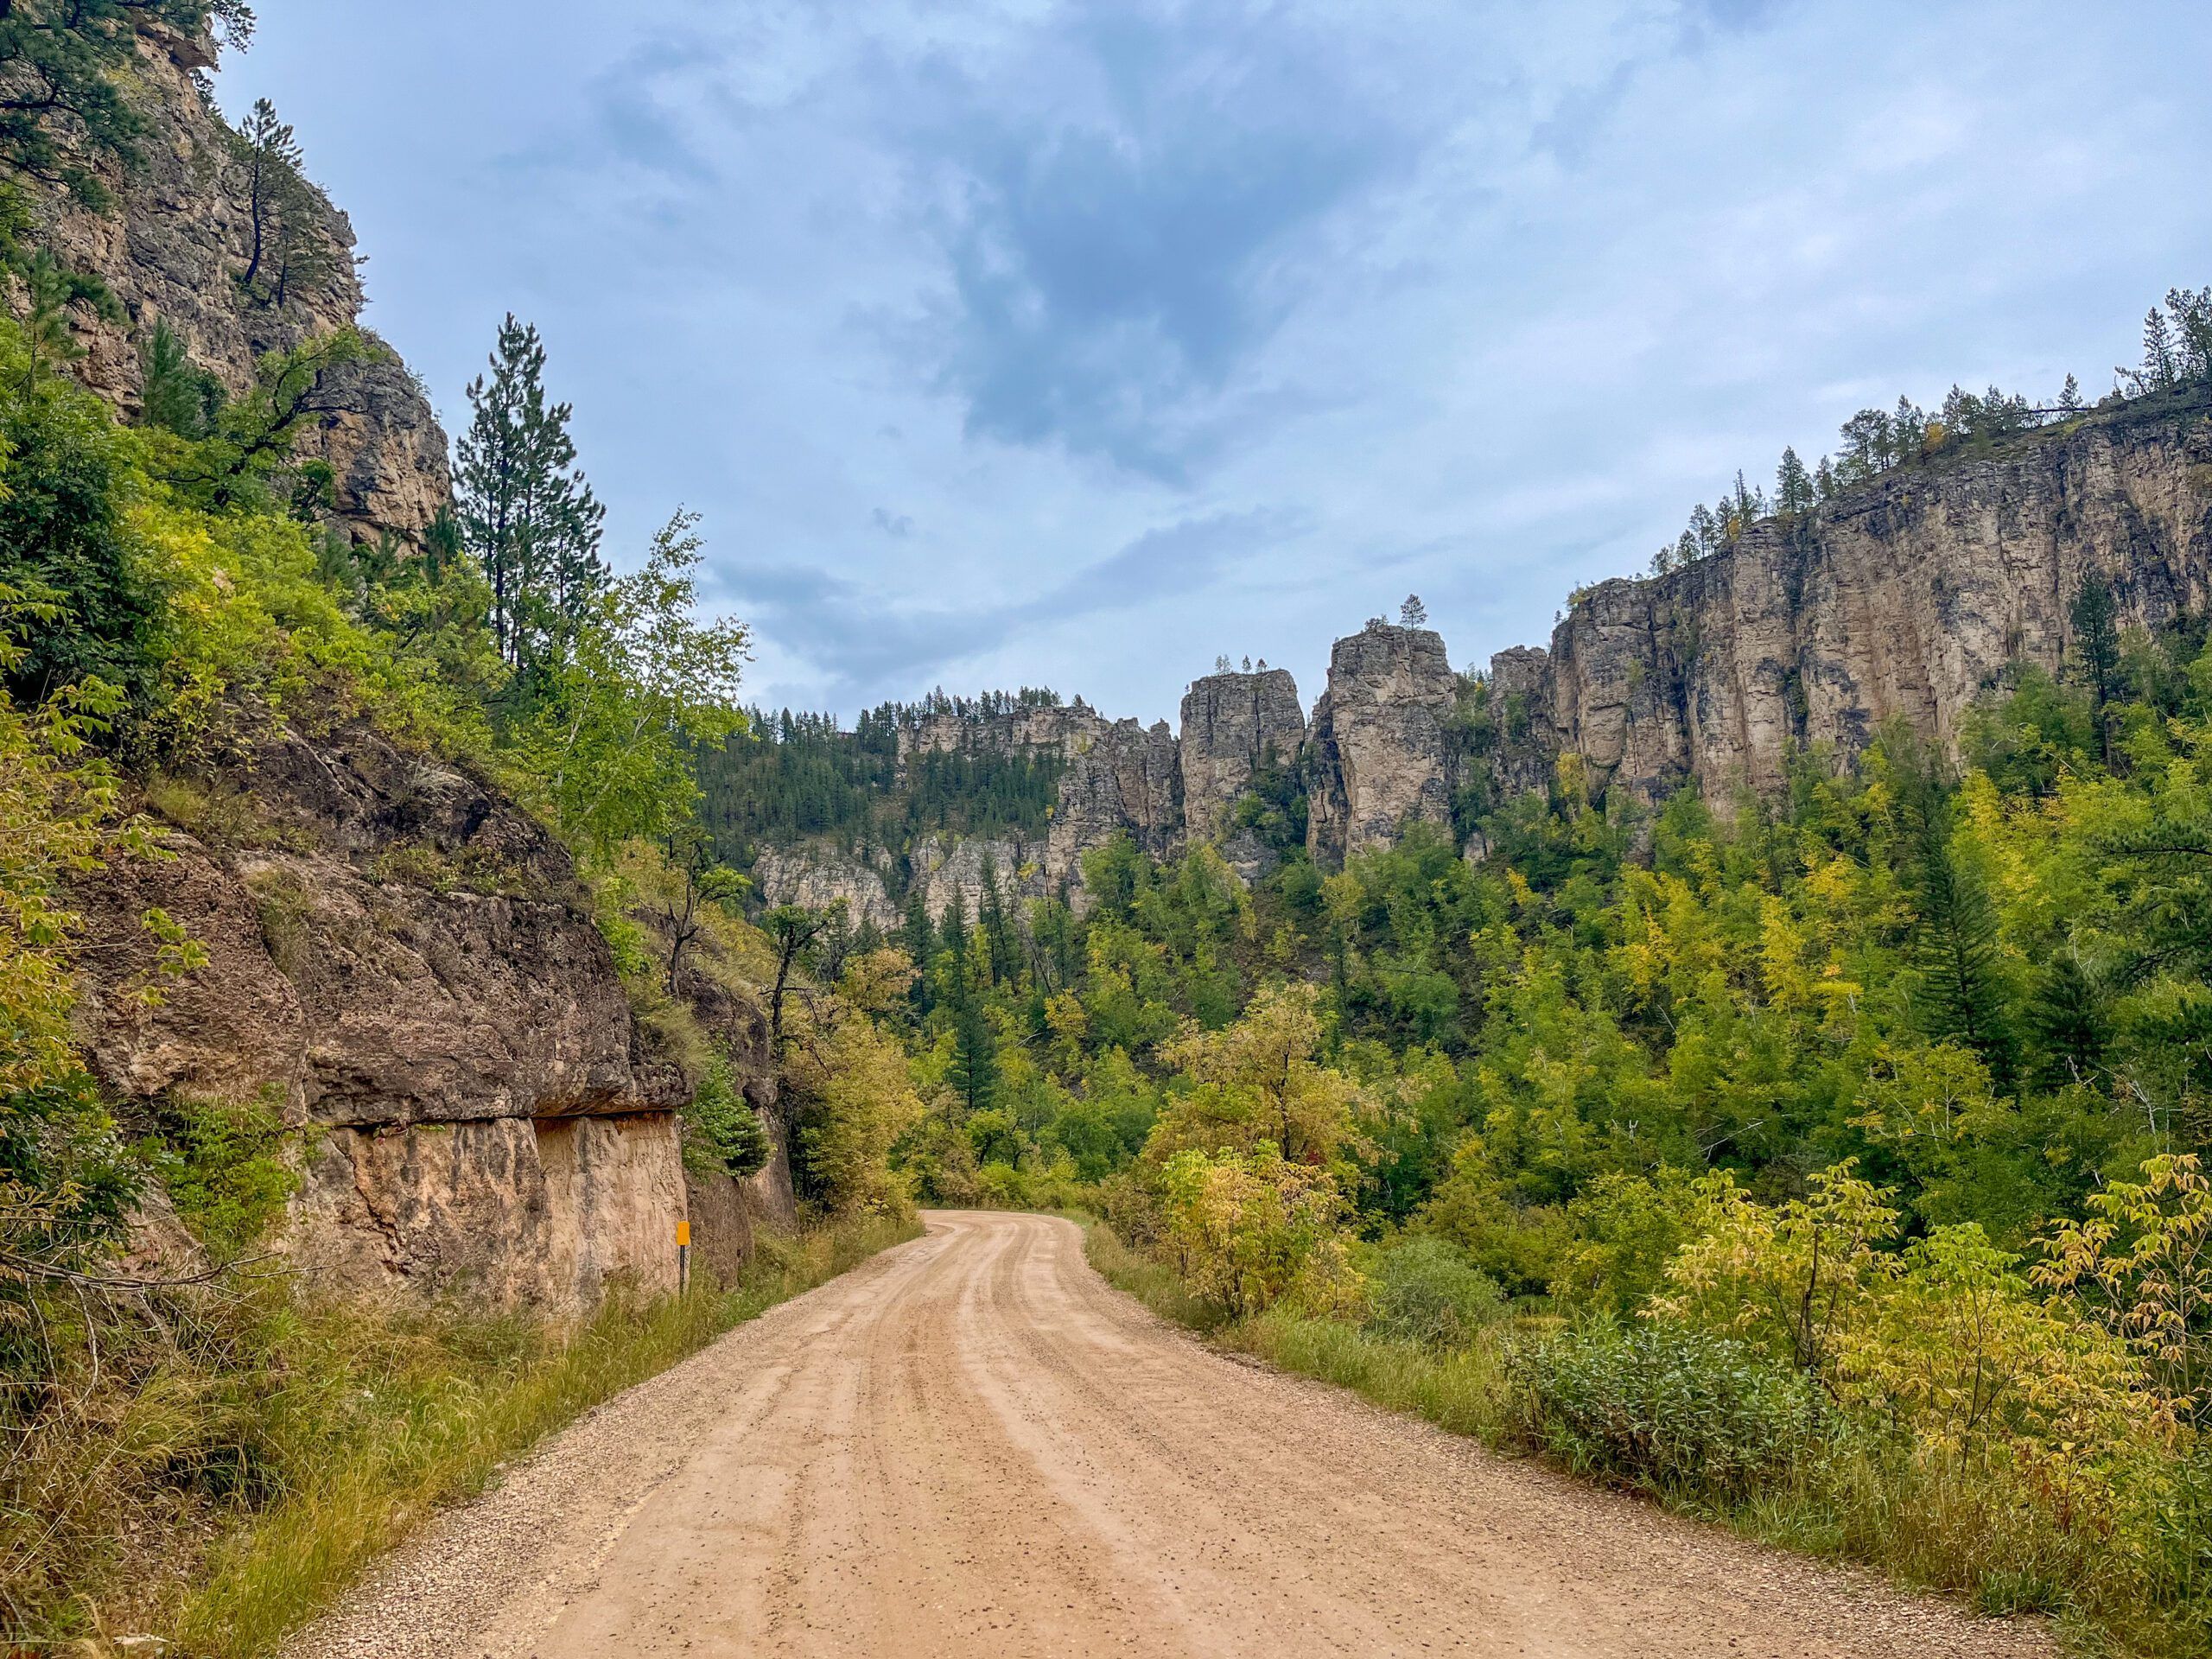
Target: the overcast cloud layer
(1075, 343)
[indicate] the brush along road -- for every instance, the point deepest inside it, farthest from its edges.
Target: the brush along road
(973, 1445)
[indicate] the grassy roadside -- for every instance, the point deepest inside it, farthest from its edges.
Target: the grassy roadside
(1924, 1531)
(427, 1408)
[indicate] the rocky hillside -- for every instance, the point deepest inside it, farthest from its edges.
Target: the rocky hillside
(402, 964)
(171, 245)
(1900, 600)
(1904, 599)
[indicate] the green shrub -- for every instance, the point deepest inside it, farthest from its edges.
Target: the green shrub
(722, 1135)
(1424, 1291)
(222, 1164)
(1687, 1414)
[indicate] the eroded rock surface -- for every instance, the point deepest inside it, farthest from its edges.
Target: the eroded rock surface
(1902, 599)
(171, 246)
(401, 964)
(1381, 755)
(1232, 725)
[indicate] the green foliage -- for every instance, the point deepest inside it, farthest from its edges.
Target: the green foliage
(527, 514)
(223, 1165)
(1685, 1414)
(1426, 1292)
(722, 1135)
(66, 62)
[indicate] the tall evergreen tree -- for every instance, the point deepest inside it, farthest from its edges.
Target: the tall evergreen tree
(1954, 942)
(526, 511)
(271, 153)
(180, 396)
(974, 1073)
(1793, 485)
(2096, 646)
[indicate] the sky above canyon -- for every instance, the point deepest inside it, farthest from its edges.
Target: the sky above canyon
(1074, 344)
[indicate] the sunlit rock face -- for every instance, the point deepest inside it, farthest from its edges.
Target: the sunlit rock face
(1902, 599)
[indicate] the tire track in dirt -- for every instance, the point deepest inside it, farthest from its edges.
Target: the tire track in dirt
(972, 1445)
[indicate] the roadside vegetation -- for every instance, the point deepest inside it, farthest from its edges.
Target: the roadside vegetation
(193, 1442)
(1831, 1164)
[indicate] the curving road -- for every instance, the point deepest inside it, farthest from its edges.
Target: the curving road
(973, 1445)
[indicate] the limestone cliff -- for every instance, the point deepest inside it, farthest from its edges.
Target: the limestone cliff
(1232, 725)
(1903, 599)
(402, 963)
(170, 245)
(1382, 755)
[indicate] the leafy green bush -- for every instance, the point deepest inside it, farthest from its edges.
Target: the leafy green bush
(1424, 1291)
(722, 1135)
(1685, 1413)
(222, 1162)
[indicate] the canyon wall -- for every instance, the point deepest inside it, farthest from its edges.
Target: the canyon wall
(1903, 599)
(401, 966)
(170, 246)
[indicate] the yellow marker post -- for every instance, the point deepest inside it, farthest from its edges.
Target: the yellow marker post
(683, 1257)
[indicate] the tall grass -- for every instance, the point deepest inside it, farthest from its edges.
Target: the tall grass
(2142, 1585)
(323, 1433)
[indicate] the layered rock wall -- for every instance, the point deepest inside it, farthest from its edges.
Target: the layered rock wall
(402, 966)
(171, 244)
(1903, 600)
(1382, 751)
(1232, 725)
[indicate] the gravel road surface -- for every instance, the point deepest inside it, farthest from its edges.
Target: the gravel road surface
(973, 1445)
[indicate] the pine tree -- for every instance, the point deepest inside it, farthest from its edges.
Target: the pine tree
(526, 511)
(1824, 483)
(273, 158)
(2096, 644)
(46, 328)
(919, 938)
(2069, 397)
(180, 396)
(974, 1074)
(1793, 486)
(990, 917)
(952, 927)
(1955, 940)
(2066, 1022)
(1413, 614)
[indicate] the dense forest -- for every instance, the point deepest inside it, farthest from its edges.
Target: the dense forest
(789, 777)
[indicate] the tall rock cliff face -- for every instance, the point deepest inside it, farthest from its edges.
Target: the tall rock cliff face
(170, 246)
(1381, 755)
(1125, 779)
(401, 964)
(1901, 599)
(1233, 724)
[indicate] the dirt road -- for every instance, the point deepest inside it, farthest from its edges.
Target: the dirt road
(973, 1445)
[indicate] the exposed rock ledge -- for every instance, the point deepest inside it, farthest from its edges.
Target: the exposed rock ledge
(402, 963)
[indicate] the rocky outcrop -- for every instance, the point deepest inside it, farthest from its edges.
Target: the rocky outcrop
(170, 246)
(1902, 599)
(1124, 781)
(1232, 725)
(1381, 751)
(815, 877)
(401, 963)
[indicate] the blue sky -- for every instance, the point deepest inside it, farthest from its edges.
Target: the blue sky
(1012, 342)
